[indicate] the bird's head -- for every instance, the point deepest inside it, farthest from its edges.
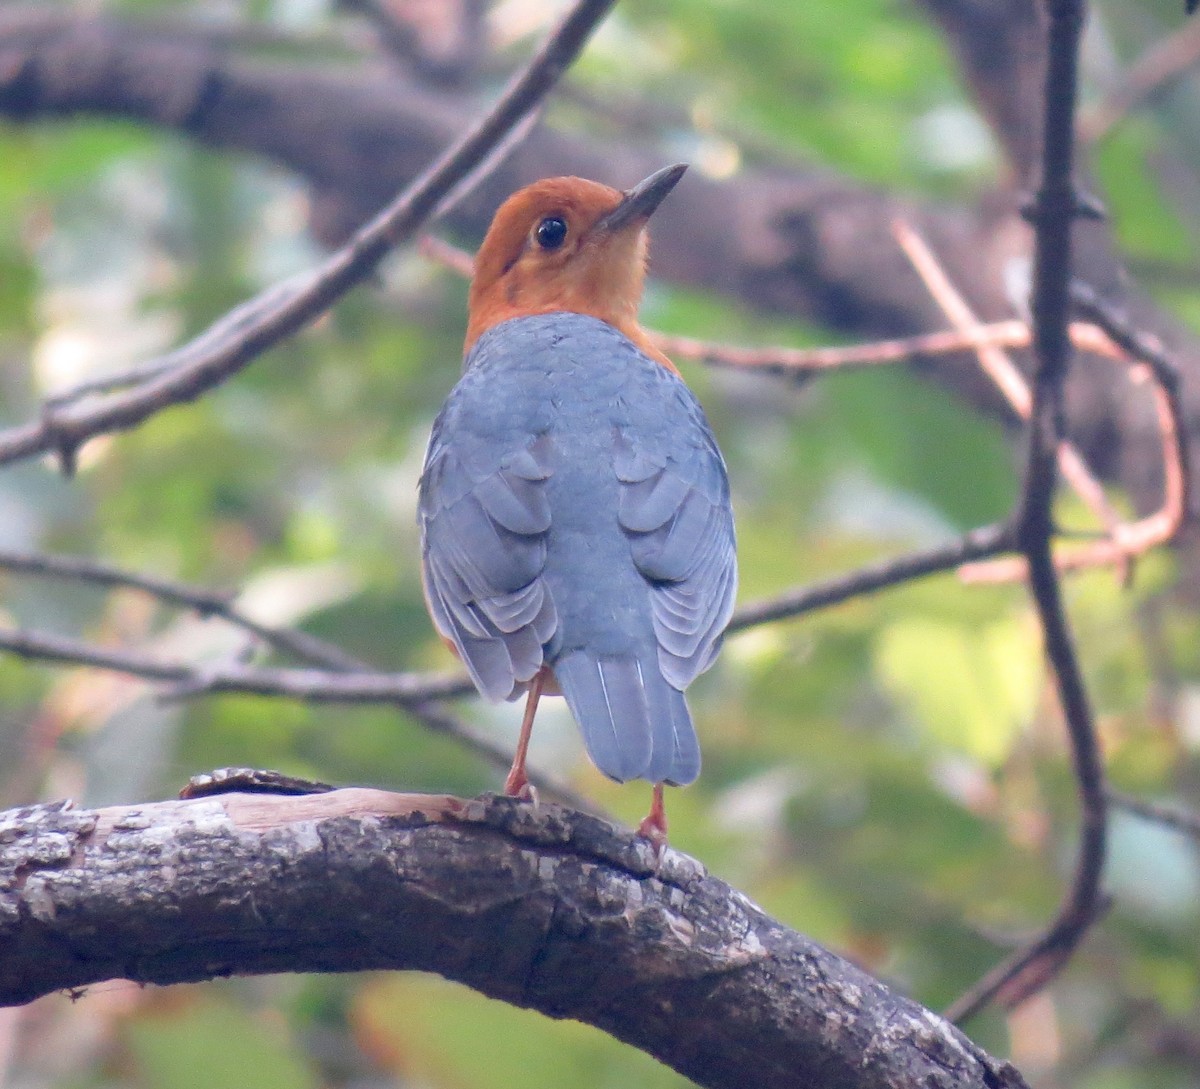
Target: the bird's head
(567, 244)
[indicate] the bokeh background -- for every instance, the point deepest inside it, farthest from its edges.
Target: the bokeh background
(888, 776)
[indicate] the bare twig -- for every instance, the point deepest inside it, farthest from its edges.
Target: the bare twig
(801, 361)
(1181, 820)
(310, 685)
(108, 383)
(417, 693)
(205, 602)
(453, 257)
(1158, 66)
(1147, 349)
(1109, 336)
(1127, 539)
(1000, 368)
(442, 42)
(196, 680)
(798, 362)
(236, 340)
(1054, 212)
(977, 544)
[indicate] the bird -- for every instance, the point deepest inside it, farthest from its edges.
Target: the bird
(577, 535)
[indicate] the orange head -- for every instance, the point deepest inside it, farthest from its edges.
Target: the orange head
(568, 244)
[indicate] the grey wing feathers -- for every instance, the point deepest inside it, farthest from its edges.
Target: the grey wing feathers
(484, 543)
(567, 393)
(675, 508)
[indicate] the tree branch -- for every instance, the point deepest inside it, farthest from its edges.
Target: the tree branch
(1160, 65)
(310, 685)
(201, 600)
(978, 544)
(1169, 816)
(234, 341)
(540, 907)
(797, 241)
(1054, 212)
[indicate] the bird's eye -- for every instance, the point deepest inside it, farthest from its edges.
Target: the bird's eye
(551, 232)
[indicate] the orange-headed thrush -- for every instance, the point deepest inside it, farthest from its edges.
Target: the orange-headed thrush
(575, 519)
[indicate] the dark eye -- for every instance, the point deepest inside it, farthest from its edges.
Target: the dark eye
(551, 232)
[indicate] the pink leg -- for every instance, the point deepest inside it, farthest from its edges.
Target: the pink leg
(517, 784)
(654, 827)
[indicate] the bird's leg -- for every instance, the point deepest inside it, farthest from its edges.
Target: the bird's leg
(517, 784)
(654, 827)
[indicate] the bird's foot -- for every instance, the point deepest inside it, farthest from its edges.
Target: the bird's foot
(654, 825)
(657, 837)
(517, 785)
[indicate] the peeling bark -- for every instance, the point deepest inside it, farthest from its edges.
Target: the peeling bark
(541, 907)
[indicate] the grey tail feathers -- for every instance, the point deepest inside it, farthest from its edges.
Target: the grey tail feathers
(635, 724)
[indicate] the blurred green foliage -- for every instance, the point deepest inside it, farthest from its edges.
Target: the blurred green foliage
(888, 776)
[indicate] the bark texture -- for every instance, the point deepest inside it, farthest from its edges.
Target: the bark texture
(541, 907)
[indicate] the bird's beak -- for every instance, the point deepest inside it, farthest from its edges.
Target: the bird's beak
(639, 202)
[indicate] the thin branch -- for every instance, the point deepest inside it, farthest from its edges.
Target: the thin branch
(1129, 539)
(446, 254)
(1146, 359)
(1003, 372)
(193, 681)
(309, 685)
(1162, 63)
(996, 365)
(236, 340)
(798, 362)
(1054, 212)
(1147, 349)
(205, 602)
(787, 361)
(1180, 820)
(975, 545)
(108, 383)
